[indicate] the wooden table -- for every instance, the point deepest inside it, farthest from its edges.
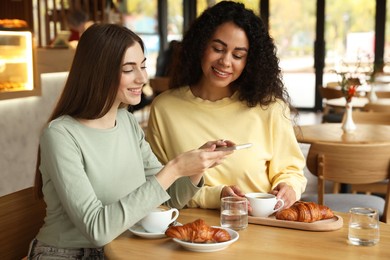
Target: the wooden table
(379, 86)
(332, 132)
(255, 242)
(357, 102)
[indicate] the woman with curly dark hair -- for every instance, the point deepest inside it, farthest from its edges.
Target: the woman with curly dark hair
(228, 84)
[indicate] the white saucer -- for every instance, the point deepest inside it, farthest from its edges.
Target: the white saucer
(211, 247)
(138, 230)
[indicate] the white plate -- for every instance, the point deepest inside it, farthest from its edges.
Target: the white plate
(211, 247)
(138, 230)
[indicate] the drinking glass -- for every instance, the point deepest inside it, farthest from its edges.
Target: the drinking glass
(363, 227)
(234, 212)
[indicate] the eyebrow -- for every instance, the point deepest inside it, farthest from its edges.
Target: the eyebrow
(224, 44)
(133, 63)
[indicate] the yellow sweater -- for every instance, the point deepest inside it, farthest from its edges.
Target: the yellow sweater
(179, 122)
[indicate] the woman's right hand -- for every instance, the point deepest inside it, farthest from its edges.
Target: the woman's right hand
(192, 164)
(197, 161)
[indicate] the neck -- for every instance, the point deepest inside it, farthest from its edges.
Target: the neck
(211, 93)
(105, 122)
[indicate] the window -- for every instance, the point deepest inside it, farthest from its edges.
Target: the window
(349, 36)
(292, 26)
(141, 17)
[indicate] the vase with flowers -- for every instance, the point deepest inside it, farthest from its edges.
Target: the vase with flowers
(348, 87)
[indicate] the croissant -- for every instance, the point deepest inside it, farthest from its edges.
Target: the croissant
(198, 232)
(305, 212)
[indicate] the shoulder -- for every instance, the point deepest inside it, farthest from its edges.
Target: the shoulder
(278, 106)
(62, 123)
(63, 127)
(276, 110)
(172, 96)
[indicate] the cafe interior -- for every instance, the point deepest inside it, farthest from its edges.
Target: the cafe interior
(335, 60)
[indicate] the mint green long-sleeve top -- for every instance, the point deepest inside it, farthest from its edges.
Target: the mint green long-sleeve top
(98, 183)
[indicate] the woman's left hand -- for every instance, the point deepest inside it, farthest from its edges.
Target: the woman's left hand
(234, 191)
(231, 191)
(286, 193)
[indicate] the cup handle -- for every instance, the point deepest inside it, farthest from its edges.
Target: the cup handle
(176, 211)
(281, 201)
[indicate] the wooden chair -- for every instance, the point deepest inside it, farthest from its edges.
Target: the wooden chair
(368, 117)
(159, 84)
(350, 164)
(21, 216)
(331, 114)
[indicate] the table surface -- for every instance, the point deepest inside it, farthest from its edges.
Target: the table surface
(357, 102)
(255, 242)
(332, 132)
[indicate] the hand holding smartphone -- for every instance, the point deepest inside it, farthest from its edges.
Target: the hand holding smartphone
(234, 147)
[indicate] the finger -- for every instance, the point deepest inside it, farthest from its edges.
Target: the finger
(229, 143)
(228, 191)
(209, 147)
(237, 190)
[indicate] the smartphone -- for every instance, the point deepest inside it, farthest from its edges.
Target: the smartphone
(234, 147)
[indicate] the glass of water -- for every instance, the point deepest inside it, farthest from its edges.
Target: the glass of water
(363, 227)
(234, 212)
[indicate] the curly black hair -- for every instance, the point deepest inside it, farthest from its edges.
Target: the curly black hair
(261, 80)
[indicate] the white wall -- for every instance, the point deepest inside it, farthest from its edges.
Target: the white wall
(21, 121)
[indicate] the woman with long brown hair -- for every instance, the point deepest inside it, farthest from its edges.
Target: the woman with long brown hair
(98, 174)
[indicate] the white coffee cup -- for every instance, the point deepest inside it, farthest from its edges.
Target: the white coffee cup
(159, 219)
(263, 204)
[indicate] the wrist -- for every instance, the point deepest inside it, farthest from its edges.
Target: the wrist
(172, 168)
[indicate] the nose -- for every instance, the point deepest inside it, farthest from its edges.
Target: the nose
(225, 60)
(141, 77)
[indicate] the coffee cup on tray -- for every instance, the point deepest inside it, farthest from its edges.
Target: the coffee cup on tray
(263, 204)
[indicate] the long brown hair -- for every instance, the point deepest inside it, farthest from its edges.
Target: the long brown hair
(93, 80)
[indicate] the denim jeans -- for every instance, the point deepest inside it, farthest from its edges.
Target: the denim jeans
(39, 250)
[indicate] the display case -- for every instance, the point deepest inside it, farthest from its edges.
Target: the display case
(17, 65)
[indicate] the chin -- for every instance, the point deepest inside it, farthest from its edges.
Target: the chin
(134, 102)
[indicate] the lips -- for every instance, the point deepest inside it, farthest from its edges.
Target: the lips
(221, 73)
(136, 91)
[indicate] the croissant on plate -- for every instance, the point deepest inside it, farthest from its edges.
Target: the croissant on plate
(305, 212)
(198, 232)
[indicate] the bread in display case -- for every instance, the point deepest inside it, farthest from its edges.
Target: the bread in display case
(17, 67)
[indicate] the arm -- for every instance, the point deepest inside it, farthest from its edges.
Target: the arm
(90, 194)
(286, 167)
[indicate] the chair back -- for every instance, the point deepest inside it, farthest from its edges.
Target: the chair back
(369, 117)
(159, 84)
(21, 216)
(329, 113)
(350, 164)
(330, 93)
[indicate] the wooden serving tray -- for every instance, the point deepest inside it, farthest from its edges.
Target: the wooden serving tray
(334, 223)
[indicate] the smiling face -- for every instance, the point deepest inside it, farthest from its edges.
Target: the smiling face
(225, 56)
(133, 76)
